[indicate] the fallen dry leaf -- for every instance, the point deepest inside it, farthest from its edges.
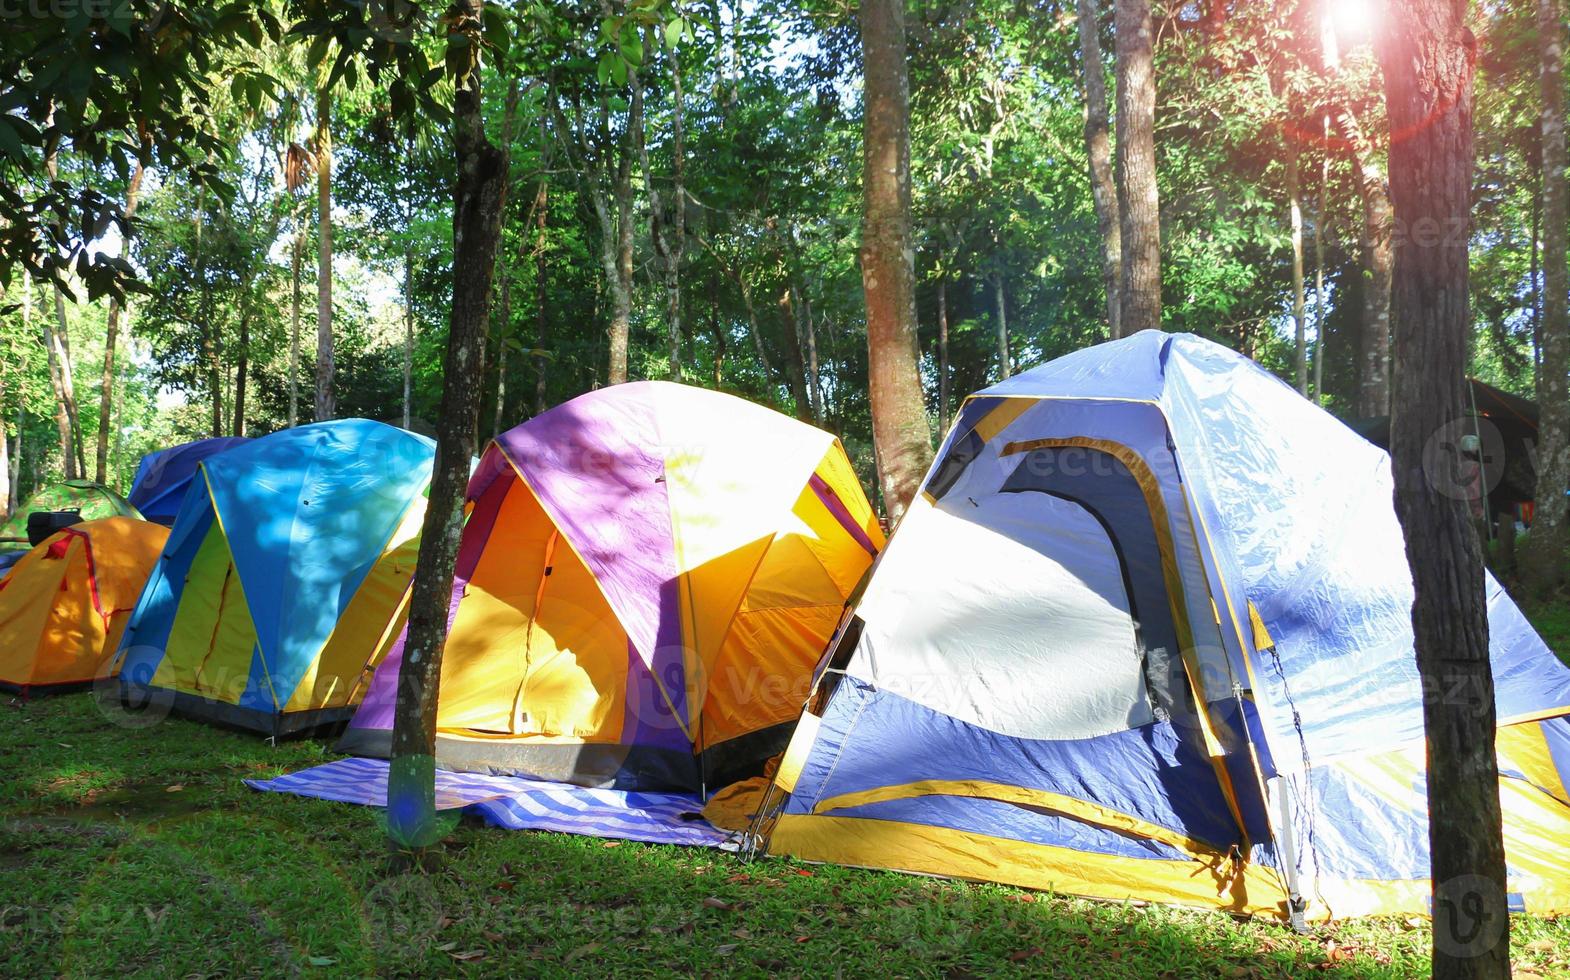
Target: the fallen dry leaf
(611, 843)
(582, 951)
(177, 787)
(473, 954)
(715, 902)
(1025, 954)
(489, 936)
(726, 949)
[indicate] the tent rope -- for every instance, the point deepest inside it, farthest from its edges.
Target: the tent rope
(1305, 804)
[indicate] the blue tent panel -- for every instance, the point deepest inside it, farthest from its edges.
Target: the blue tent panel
(162, 478)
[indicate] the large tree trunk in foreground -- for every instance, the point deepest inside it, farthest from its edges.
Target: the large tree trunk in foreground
(325, 407)
(1428, 61)
(899, 415)
(411, 790)
(133, 194)
(1544, 557)
(1098, 144)
(1139, 207)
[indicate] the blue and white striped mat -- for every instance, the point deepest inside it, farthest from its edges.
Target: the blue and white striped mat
(517, 803)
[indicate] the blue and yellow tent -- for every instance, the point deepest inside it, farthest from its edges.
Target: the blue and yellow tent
(284, 579)
(1146, 635)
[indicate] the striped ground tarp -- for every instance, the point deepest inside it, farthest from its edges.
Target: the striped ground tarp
(517, 803)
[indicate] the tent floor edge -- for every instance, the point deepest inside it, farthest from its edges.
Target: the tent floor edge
(319, 722)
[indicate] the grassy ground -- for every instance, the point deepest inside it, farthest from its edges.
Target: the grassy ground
(140, 851)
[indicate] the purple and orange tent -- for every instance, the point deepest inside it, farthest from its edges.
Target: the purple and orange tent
(647, 577)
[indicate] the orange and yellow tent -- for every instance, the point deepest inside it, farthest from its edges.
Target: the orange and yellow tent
(65, 604)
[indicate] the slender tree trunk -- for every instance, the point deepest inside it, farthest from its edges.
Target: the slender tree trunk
(58, 340)
(1000, 300)
(15, 500)
(211, 356)
(676, 241)
(1103, 189)
(899, 414)
(943, 355)
(1544, 565)
(541, 323)
(1138, 200)
(1319, 267)
(754, 330)
(1299, 307)
(411, 790)
(814, 377)
(408, 286)
(795, 359)
(1378, 248)
(325, 407)
(5, 462)
(62, 418)
(621, 280)
(1378, 251)
(111, 336)
(242, 368)
(62, 340)
(296, 263)
(408, 332)
(1428, 60)
(1537, 282)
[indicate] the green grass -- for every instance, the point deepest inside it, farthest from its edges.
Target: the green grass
(140, 851)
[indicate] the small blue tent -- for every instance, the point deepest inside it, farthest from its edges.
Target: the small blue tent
(163, 477)
(1146, 633)
(284, 579)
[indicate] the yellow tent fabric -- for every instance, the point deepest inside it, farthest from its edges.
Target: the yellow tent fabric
(65, 604)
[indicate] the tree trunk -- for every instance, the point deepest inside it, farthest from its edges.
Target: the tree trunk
(296, 262)
(242, 367)
(1138, 199)
(1000, 300)
(1428, 61)
(411, 790)
(814, 377)
(795, 359)
(899, 414)
(1103, 188)
(1537, 283)
(211, 356)
(1299, 307)
(62, 341)
(15, 499)
(408, 332)
(62, 418)
(1319, 267)
(1378, 251)
(943, 356)
(5, 463)
(325, 407)
(111, 336)
(1378, 248)
(408, 287)
(541, 283)
(620, 281)
(1543, 566)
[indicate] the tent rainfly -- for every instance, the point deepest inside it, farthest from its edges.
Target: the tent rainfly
(646, 578)
(163, 477)
(285, 577)
(1146, 634)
